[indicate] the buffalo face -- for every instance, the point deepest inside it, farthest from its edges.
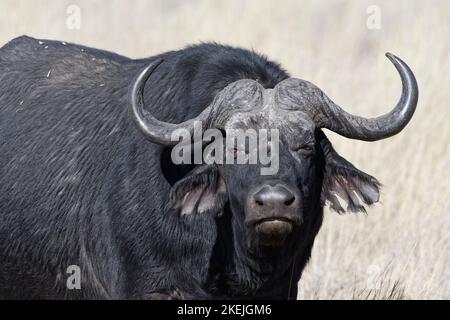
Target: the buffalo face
(272, 207)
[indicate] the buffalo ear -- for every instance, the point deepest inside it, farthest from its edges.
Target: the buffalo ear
(201, 191)
(343, 179)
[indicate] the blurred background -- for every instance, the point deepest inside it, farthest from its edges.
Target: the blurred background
(401, 248)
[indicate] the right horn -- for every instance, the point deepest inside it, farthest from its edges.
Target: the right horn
(334, 118)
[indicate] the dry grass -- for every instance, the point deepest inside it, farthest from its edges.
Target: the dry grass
(401, 249)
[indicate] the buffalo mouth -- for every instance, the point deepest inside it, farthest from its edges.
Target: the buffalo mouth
(274, 230)
(274, 219)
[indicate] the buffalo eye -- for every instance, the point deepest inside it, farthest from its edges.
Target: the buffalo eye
(245, 150)
(305, 151)
(240, 150)
(235, 152)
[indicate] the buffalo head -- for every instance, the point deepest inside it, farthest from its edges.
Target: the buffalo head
(270, 209)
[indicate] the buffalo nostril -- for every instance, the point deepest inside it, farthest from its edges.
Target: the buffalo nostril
(289, 201)
(260, 196)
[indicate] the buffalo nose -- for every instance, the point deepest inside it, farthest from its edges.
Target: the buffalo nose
(276, 197)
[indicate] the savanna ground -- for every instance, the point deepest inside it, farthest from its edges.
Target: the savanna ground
(401, 248)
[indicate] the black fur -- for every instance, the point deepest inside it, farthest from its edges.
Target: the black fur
(80, 186)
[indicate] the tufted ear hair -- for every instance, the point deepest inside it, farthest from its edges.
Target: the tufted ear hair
(203, 190)
(343, 179)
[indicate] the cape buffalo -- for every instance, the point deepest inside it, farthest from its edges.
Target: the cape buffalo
(87, 181)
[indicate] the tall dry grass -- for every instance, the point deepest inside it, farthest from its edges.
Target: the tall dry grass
(401, 248)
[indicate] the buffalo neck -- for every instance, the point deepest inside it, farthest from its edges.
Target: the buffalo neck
(239, 270)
